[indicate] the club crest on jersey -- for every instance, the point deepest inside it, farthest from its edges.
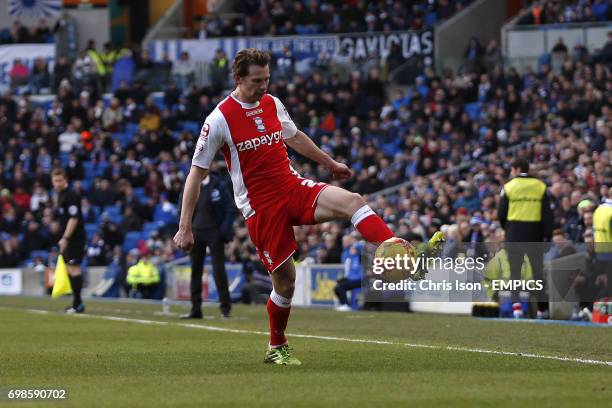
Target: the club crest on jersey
(203, 136)
(259, 124)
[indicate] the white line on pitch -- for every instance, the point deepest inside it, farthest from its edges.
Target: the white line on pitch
(331, 338)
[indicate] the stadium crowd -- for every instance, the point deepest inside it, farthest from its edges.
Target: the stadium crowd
(19, 33)
(566, 11)
(129, 153)
(290, 17)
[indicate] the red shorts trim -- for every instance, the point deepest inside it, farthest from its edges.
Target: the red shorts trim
(271, 228)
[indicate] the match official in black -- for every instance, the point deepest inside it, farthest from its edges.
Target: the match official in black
(72, 245)
(525, 214)
(213, 220)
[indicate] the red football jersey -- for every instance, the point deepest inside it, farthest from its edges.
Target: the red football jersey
(251, 138)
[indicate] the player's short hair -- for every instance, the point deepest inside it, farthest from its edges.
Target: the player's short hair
(522, 164)
(247, 57)
(58, 171)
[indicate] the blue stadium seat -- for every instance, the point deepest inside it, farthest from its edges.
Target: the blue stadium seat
(158, 99)
(430, 19)
(88, 169)
(46, 104)
(191, 127)
(123, 138)
(112, 210)
(302, 29)
(140, 194)
(127, 139)
(113, 213)
(99, 169)
(544, 59)
(5, 35)
(64, 158)
(131, 240)
(164, 217)
(473, 110)
(91, 229)
(106, 98)
(44, 255)
(86, 184)
(149, 227)
(123, 70)
(131, 128)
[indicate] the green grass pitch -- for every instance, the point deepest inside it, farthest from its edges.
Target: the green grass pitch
(128, 363)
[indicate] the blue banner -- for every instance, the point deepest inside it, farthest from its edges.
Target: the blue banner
(408, 44)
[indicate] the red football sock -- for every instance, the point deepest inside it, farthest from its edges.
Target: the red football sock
(278, 316)
(371, 226)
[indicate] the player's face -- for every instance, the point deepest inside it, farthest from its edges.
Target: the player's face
(255, 84)
(59, 183)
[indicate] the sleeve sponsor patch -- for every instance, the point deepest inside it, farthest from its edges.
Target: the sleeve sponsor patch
(203, 137)
(204, 132)
(73, 210)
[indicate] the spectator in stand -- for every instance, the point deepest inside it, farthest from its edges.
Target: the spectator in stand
(144, 67)
(353, 271)
(62, 70)
(101, 194)
(130, 221)
(284, 64)
(112, 117)
(219, 71)
(605, 54)
(43, 31)
(570, 11)
(19, 33)
(96, 255)
(183, 71)
(150, 121)
(19, 75)
(69, 139)
(473, 54)
(40, 76)
(202, 32)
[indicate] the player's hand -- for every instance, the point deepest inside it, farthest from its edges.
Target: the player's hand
(184, 239)
(63, 243)
(340, 171)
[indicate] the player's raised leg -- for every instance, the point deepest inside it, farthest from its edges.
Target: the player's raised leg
(279, 308)
(337, 203)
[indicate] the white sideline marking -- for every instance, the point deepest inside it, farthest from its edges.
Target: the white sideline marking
(122, 319)
(330, 338)
(43, 312)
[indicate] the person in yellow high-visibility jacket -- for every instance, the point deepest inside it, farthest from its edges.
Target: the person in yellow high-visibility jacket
(602, 237)
(143, 276)
(498, 268)
(525, 214)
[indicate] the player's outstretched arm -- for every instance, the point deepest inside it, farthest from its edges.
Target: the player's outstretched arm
(302, 144)
(184, 236)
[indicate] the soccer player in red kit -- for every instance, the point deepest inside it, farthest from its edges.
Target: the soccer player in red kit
(251, 128)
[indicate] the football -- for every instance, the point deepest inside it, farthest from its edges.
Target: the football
(402, 253)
